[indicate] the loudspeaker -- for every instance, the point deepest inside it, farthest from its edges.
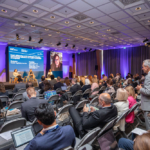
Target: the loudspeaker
(73, 55)
(96, 67)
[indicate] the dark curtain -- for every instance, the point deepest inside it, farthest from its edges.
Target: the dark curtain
(48, 62)
(85, 63)
(125, 61)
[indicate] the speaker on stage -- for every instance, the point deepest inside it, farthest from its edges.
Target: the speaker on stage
(96, 67)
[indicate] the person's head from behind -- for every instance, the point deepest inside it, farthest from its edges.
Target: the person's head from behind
(42, 78)
(74, 81)
(82, 79)
(2, 87)
(94, 80)
(146, 66)
(29, 84)
(47, 85)
(19, 79)
(87, 82)
(56, 60)
(104, 100)
(109, 82)
(112, 75)
(31, 92)
(103, 75)
(15, 70)
(142, 142)
(52, 77)
(45, 115)
(58, 79)
(121, 95)
(100, 82)
(105, 78)
(130, 91)
(130, 82)
(30, 70)
(90, 78)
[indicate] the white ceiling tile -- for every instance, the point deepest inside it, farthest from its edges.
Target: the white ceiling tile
(127, 20)
(94, 13)
(13, 3)
(114, 23)
(134, 25)
(47, 3)
(105, 19)
(64, 1)
(119, 15)
(97, 3)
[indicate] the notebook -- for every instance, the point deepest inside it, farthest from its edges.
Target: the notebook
(63, 88)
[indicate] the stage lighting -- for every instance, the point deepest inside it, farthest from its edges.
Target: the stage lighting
(30, 38)
(66, 45)
(90, 49)
(146, 40)
(73, 46)
(17, 36)
(40, 41)
(85, 48)
(58, 44)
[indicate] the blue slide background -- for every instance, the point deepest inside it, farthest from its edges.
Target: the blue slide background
(24, 59)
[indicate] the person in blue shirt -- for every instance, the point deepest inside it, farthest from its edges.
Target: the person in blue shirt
(52, 136)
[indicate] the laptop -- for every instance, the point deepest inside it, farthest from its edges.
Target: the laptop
(22, 137)
(63, 88)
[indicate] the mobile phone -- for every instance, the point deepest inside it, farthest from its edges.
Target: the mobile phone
(87, 105)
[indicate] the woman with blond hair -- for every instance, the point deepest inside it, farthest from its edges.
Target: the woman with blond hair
(132, 102)
(90, 78)
(95, 80)
(122, 105)
(82, 81)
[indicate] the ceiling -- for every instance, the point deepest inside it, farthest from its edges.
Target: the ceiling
(95, 24)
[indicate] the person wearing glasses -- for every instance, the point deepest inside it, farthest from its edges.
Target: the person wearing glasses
(56, 65)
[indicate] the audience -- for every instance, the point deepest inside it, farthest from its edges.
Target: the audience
(82, 81)
(19, 85)
(95, 79)
(52, 136)
(47, 86)
(28, 107)
(90, 78)
(67, 81)
(132, 102)
(122, 105)
(59, 84)
(104, 81)
(93, 118)
(93, 86)
(110, 89)
(78, 80)
(41, 85)
(85, 87)
(52, 81)
(25, 96)
(49, 73)
(3, 92)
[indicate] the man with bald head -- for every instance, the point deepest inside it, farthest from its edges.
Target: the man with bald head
(92, 117)
(28, 107)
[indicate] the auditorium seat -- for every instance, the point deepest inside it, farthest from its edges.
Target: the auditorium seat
(94, 101)
(81, 104)
(16, 97)
(86, 93)
(76, 97)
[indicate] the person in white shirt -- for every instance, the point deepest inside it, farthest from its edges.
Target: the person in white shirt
(15, 75)
(49, 73)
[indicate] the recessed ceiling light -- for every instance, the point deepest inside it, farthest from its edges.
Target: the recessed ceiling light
(49, 35)
(103, 35)
(96, 32)
(35, 11)
(76, 37)
(108, 30)
(67, 22)
(138, 8)
(127, 21)
(46, 29)
(45, 44)
(22, 38)
(68, 39)
(52, 17)
(4, 10)
(58, 32)
(91, 41)
(33, 40)
(78, 26)
(91, 22)
(148, 21)
(32, 25)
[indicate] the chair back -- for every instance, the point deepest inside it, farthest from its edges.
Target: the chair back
(95, 90)
(21, 91)
(54, 98)
(113, 96)
(133, 108)
(58, 90)
(68, 88)
(13, 124)
(77, 96)
(78, 93)
(90, 136)
(87, 91)
(94, 101)
(17, 97)
(102, 89)
(16, 104)
(36, 88)
(4, 98)
(69, 95)
(64, 109)
(81, 104)
(36, 126)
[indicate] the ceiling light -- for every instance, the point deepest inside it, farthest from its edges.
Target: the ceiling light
(91, 22)
(17, 36)
(67, 22)
(66, 45)
(46, 29)
(52, 17)
(91, 41)
(45, 44)
(57, 32)
(35, 11)
(49, 35)
(4, 10)
(96, 32)
(126, 20)
(22, 38)
(76, 37)
(108, 30)
(138, 8)
(103, 35)
(78, 26)
(148, 21)
(68, 39)
(40, 41)
(32, 25)
(30, 38)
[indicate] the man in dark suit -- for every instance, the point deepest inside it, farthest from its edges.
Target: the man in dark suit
(94, 118)
(19, 85)
(58, 84)
(41, 85)
(28, 107)
(52, 136)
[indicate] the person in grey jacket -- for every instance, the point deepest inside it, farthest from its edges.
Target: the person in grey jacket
(145, 92)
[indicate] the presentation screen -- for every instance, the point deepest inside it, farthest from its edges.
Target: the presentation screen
(24, 59)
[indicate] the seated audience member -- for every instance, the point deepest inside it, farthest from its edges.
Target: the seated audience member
(67, 81)
(87, 85)
(103, 75)
(58, 84)
(41, 85)
(95, 79)
(78, 80)
(28, 107)
(75, 87)
(118, 77)
(47, 86)
(137, 77)
(52, 81)
(126, 82)
(82, 81)
(52, 136)
(105, 81)
(110, 89)
(94, 86)
(100, 83)
(111, 75)
(132, 102)
(142, 77)
(90, 78)
(3, 92)
(19, 85)
(140, 143)
(94, 118)
(25, 96)
(122, 105)
(128, 76)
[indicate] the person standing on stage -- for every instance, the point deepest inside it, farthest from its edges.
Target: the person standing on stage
(31, 75)
(145, 92)
(49, 73)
